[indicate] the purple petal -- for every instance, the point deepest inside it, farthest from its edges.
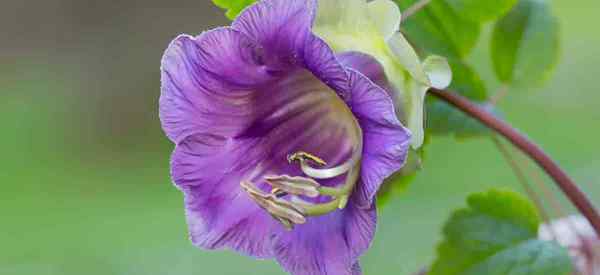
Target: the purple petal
(356, 269)
(322, 62)
(281, 27)
(386, 141)
(328, 244)
(218, 213)
(237, 101)
(202, 77)
(368, 66)
(295, 112)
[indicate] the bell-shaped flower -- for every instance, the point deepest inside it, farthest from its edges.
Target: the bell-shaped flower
(280, 147)
(373, 28)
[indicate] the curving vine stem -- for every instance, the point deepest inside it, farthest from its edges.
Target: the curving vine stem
(568, 187)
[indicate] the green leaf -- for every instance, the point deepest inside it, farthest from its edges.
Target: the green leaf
(443, 119)
(481, 10)
(525, 44)
(439, 30)
(533, 257)
(394, 187)
(496, 229)
(399, 182)
(233, 7)
(467, 82)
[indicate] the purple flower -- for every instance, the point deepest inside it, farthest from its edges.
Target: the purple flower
(280, 148)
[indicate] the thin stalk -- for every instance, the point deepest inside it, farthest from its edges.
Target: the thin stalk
(554, 203)
(518, 162)
(564, 182)
(416, 7)
(508, 157)
(558, 208)
(499, 95)
(522, 178)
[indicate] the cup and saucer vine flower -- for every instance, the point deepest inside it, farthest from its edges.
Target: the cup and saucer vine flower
(281, 146)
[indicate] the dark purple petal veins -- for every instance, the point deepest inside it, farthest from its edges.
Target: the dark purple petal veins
(204, 78)
(328, 244)
(280, 27)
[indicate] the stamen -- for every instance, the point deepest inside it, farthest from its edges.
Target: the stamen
(294, 185)
(286, 223)
(343, 201)
(351, 168)
(285, 212)
(252, 190)
(283, 209)
(278, 192)
(312, 210)
(284, 202)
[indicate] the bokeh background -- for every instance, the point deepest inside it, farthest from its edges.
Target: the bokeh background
(84, 185)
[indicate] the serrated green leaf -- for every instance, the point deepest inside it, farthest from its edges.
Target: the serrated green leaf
(481, 10)
(233, 7)
(443, 119)
(439, 30)
(496, 229)
(533, 257)
(525, 44)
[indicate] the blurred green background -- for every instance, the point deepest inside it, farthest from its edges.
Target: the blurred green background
(84, 176)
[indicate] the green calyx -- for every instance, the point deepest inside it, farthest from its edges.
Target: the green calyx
(372, 28)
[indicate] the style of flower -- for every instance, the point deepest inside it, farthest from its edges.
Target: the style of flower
(373, 28)
(280, 147)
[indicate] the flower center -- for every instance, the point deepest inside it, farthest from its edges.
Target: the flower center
(287, 201)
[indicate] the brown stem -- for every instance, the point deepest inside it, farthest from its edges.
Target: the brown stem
(569, 188)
